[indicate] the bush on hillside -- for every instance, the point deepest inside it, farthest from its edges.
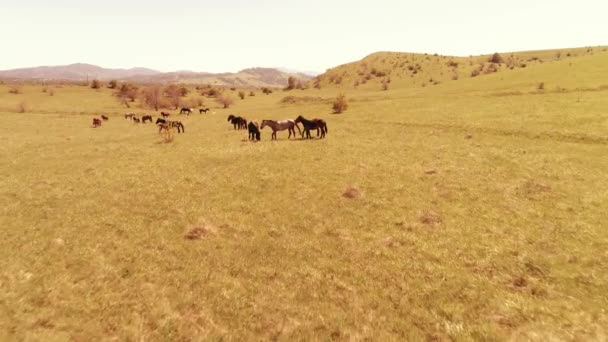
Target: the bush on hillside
(496, 58)
(242, 95)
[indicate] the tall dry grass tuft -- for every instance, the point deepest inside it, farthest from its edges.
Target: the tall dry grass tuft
(340, 104)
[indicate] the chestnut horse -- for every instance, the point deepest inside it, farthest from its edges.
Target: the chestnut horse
(281, 126)
(96, 122)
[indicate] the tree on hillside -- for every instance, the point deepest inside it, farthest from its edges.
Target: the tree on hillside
(112, 84)
(174, 93)
(496, 58)
(291, 83)
(95, 84)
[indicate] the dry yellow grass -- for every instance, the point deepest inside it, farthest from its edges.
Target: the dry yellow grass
(473, 209)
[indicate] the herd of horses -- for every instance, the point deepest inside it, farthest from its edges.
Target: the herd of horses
(238, 123)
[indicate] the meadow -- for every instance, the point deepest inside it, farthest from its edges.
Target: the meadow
(472, 209)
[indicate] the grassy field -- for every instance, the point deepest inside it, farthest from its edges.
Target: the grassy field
(471, 209)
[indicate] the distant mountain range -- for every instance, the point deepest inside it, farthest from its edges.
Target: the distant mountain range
(253, 77)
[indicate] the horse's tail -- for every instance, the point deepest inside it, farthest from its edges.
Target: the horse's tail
(325, 126)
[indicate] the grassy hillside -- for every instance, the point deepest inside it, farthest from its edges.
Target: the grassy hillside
(421, 70)
(471, 209)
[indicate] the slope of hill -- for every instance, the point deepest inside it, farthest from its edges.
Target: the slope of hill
(253, 77)
(421, 70)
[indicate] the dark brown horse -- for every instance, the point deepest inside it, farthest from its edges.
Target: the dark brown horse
(96, 122)
(105, 118)
(136, 120)
(186, 111)
(237, 121)
(312, 124)
(164, 115)
(146, 118)
(254, 130)
(203, 110)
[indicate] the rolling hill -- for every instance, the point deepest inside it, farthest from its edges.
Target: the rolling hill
(252, 77)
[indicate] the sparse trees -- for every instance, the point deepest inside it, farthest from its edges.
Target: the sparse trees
(113, 84)
(266, 90)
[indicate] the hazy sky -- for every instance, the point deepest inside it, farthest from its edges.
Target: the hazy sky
(304, 35)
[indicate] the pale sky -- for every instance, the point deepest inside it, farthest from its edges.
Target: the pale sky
(218, 36)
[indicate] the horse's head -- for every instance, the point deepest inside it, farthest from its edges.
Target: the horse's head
(230, 117)
(264, 124)
(299, 118)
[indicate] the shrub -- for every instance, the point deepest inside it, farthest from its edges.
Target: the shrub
(252, 93)
(496, 58)
(113, 84)
(95, 84)
(475, 72)
(541, 86)
(340, 104)
(384, 85)
(22, 107)
(51, 92)
(15, 90)
(266, 90)
(242, 95)
(225, 100)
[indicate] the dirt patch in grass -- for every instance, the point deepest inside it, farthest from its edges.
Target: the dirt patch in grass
(352, 193)
(430, 218)
(199, 231)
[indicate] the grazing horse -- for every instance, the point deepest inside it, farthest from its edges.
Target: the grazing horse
(281, 126)
(186, 111)
(146, 118)
(129, 115)
(162, 122)
(203, 110)
(164, 115)
(136, 120)
(254, 130)
(312, 124)
(237, 121)
(96, 122)
(105, 118)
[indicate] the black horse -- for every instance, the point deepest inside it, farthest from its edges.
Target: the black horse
(180, 127)
(186, 111)
(146, 118)
(314, 124)
(203, 110)
(104, 118)
(254, 130)
(237, 121)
